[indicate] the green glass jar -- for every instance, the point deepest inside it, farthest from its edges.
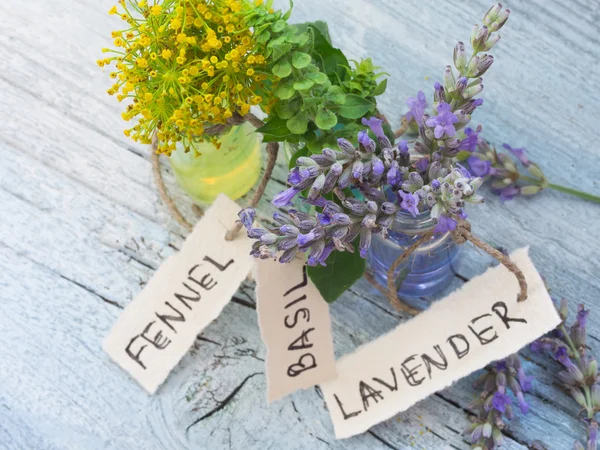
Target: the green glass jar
(232, 169)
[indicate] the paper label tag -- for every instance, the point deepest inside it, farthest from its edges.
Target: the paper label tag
(480, 323)
(188, 291)
(295, 326)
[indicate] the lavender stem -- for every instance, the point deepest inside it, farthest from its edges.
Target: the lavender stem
(569, 342)
(580, 194)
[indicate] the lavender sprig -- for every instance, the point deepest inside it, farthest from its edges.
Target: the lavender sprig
(391, 177)
(502, 169)
(494, 404)
(579, 376)
(335, 228)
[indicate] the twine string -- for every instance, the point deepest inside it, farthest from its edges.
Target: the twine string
(162, 189)
(403, 128)
(236, 119)
(460, 235)
(272, 150)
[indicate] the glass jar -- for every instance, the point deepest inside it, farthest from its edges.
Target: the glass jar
(232, 169)
(428, 270)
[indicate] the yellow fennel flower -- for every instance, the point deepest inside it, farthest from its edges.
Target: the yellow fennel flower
(184, 65)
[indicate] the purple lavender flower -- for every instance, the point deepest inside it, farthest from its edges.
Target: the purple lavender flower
(394, 175)
(493, 404)
(417, 108)
(247, 216)
(540, 345)
(567, 346)
(472, 105)
(469, 144)
(508, 193)
(524, 380)
(479, 167)
(375, 125)
(403, 147)
(501, 365)
(523, 405)
(367, 143)
(439, 93)
(294, 176)
(518, 153)
(307, 239)
(323, 218)
(500, 401)
(592, 435)
(284, 198)
(443, 122)
(445, 224)
(409, 203)
(378, 166)
(365, 241)
(582, 315)
(325, 254)
(562, 354)
(422, 165)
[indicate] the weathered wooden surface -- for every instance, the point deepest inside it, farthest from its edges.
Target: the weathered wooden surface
(82, 230)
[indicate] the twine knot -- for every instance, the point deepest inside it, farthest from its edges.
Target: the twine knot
(234, 120)
(461, 234)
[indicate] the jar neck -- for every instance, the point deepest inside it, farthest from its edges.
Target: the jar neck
(407, 224)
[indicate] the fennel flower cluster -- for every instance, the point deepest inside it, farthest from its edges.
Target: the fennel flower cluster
(185, 65)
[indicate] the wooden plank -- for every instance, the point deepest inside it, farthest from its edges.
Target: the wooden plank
(82, 219)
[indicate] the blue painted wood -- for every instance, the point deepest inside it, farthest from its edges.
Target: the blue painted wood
(82, 230)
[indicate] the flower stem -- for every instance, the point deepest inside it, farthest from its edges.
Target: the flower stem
(566, 190)
(588, 400)
(580, 194)
(569, 342)
(586, 389)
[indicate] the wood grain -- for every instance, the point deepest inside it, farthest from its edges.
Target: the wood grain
(82, 230)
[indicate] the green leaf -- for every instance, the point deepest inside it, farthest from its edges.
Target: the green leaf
(287, 110)
(288, 13)
(387, 130)
(278, 26)
(317, 77)
(342, 271)
(301, 60)
(310, 103)
(283, 68)
(380, 89)
(280, 50)
(298, 34)
(323, 28)
(263, 37)
(274, 130)
(277, 41)
(332, 59)
(302, 39)
(315, 146)
(336, 95)
(354, 107)
(325, 119)
(304, 84)
(299, 123)
(356, 86)
(286, 90)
